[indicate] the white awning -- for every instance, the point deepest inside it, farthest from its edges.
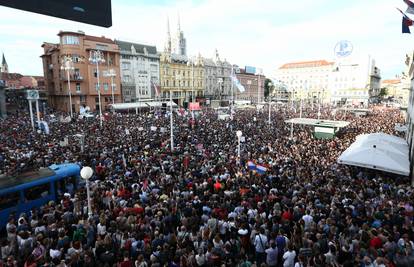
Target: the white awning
(145, 104)
(378, 151)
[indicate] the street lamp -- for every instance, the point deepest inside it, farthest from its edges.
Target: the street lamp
(239, 135)
(171, 123)
(270, 101)
(192, 64)
(86, 173)
(96, 57)
(111, 73)
(68, 67)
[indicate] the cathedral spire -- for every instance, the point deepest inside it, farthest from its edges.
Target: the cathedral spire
(168, 43)
(4, 67)
(178, 22)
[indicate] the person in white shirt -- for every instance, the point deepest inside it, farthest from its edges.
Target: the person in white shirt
(260, 243)
(271, 255)
(308, 219)
(289, 257)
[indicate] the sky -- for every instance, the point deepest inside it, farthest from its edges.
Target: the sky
(261, 33)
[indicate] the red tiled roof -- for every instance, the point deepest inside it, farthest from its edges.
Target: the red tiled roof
(391, 81)
(102, 39)
(10, 76)
(306, 64)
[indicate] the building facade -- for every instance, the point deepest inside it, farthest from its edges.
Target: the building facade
(15, 86)
(398, 89)
(352, 81)
(217, 78)
(85, 80)
(140, 65)
(355, 81)
(305, 80)
(179, 75)
(253, 85)
(409, 61)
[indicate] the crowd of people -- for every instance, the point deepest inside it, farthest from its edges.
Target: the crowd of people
(201, 205)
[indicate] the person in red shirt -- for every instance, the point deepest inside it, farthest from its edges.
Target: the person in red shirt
(287, 215)
(375, 241)
(217, 185)
(126, 262)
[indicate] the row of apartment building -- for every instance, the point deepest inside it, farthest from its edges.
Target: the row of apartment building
(139, 72)
(351, 80)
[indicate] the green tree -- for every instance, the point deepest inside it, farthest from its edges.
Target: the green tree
(383, 92)
(268, 87)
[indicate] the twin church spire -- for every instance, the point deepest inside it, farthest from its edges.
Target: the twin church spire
(177, 44)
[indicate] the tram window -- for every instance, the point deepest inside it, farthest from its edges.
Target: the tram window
(9, 200)
(37, 192)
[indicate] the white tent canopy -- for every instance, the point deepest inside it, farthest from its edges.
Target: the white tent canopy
(143, 104)
(378, 151)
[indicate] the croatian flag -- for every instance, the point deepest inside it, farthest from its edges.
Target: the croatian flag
(406, 22)
(410, 8)
(238, 84)
(261, 169)
(251, 165)
(156, 88)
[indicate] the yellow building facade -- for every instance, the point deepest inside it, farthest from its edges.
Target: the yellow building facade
(181, 76)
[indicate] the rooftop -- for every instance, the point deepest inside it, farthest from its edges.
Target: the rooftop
(306, 64)
(139, 48)
(391, 81)
(101, 39)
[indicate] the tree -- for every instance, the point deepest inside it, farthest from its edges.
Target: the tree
(383, 92)
(268, 87)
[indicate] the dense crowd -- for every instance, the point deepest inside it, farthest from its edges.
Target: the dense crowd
(200, 205)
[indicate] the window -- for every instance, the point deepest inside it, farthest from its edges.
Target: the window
(127, 78)
(95, 73)
(96, 86)
(78, 88)
(9, 200)
(82, 98)
(106, 87)
(96, 99)
(37, 192)
(101, 47)
(126, 65)
(70, 40)
(75, 58)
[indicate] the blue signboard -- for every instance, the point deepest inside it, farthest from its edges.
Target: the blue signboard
(343, 48)
(250, 69)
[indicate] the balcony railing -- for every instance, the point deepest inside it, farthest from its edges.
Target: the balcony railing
(73, 77)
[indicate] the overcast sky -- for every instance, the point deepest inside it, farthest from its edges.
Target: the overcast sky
(262, 33)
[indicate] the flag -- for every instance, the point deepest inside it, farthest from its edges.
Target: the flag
(156, 88)
(406, 22)
(44, 127)
(124, 160)
(238, 84)
(145, 185)
(261, 169)
(251, 165)
(410, 8)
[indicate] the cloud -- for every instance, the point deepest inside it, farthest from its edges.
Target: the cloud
(265, 33)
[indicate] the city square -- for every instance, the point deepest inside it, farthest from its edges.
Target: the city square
(123, 153)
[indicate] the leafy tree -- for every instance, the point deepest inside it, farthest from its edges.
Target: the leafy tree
(383, 92)
(268, 87)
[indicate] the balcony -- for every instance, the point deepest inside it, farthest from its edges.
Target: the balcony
(72, 77)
